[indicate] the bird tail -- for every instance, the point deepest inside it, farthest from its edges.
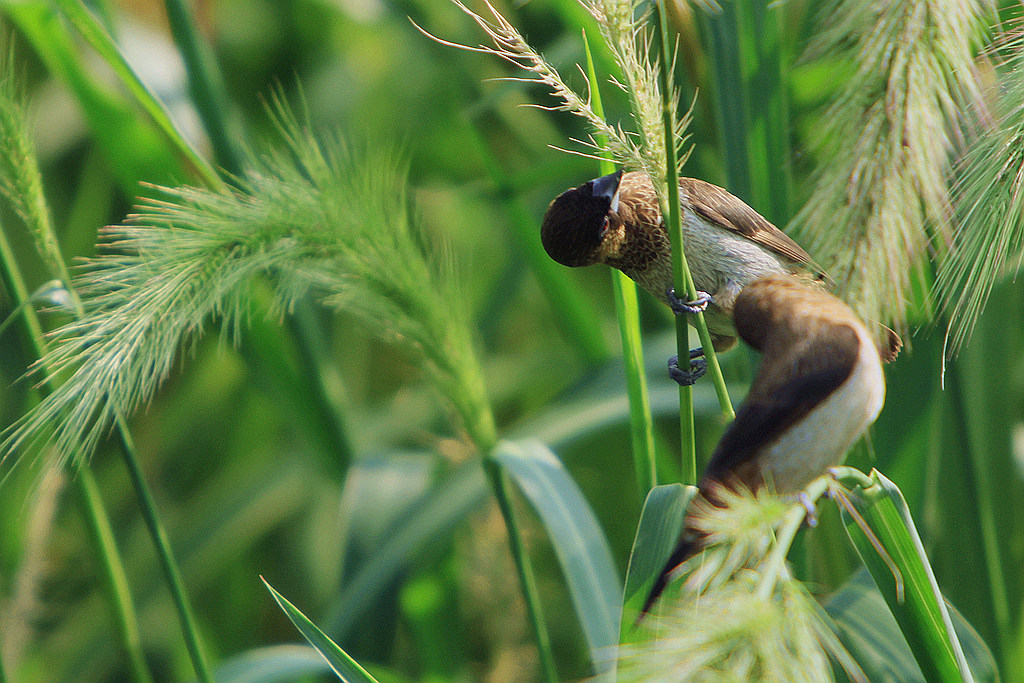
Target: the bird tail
(688, 546)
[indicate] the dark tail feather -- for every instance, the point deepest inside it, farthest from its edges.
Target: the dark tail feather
(687, 548)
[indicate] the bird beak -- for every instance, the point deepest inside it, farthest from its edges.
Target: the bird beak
(608, 186)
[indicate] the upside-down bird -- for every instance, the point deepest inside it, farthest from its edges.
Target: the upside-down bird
(818, 387)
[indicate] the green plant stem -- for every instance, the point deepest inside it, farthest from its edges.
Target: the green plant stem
(167, 561)
(730, 95)
(204, 85)
(775, 564)
(972, 427)
(627, 310)
(117, 581)
(95, 514)
(499, 484)
(681, 273)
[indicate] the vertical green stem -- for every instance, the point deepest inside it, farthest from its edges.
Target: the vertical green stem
(117, 581)
(499, 484)
(95, 514)
(479, 423)
(730, 96)
(681, 272)
(972, 426)
(204, 84)
(167, 562)
(627, 311)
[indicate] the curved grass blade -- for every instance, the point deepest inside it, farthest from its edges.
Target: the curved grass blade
(579, 543)
(130, 143)
(915, 599)
(101, 41)
(661, 522)
(347, 668)
(869, 633)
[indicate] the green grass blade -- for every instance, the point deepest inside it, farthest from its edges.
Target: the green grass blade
(578, 540)
(726, 61)
(627, 310)
(205, 85)
(915, 599)
(767, 127)
(869, 632)
(101, 41)
(657, 534)
(347, 668)
(681, 273)
(133, 148)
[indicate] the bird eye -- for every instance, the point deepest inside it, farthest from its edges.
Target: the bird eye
(604, 226)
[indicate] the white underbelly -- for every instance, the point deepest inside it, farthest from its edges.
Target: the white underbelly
(822, 439)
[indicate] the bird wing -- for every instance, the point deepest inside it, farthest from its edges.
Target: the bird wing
(779, 398)
(724, 209)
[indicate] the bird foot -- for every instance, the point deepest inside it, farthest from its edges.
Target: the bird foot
(686, 378)
(679, 306)
(809, 507)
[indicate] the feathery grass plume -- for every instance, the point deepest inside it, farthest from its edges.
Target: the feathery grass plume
(883, 146)
(988, 201)
(626, 34)
(740, 616)
(20, 180)
(313, 218)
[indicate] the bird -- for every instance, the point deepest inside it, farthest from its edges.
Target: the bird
(616, 220)
(818, 387)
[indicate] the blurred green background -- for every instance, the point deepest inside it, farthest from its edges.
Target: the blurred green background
(242, 461)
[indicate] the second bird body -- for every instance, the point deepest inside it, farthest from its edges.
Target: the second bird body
(819, 385)
(617, 220)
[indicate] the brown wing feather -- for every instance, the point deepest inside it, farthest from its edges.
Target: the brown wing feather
(730, 212)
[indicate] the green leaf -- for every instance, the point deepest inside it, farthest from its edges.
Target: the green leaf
(869, 632)
(271, 664)
(579, 543)
(914, 597)
(343, 665)
(661, 522)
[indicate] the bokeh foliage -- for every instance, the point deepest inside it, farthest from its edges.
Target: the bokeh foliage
(402, 558)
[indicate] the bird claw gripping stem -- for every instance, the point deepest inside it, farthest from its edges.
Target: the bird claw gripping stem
(686, 378)
(696, 306)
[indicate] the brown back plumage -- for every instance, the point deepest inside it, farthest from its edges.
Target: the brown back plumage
(725, 209)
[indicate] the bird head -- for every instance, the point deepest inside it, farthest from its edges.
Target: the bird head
(577, 220)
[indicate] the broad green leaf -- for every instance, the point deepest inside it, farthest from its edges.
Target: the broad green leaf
(914, 599)
(869, 632)
(272, 664)
(347, 668)
(579, 543)
(661, 522)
